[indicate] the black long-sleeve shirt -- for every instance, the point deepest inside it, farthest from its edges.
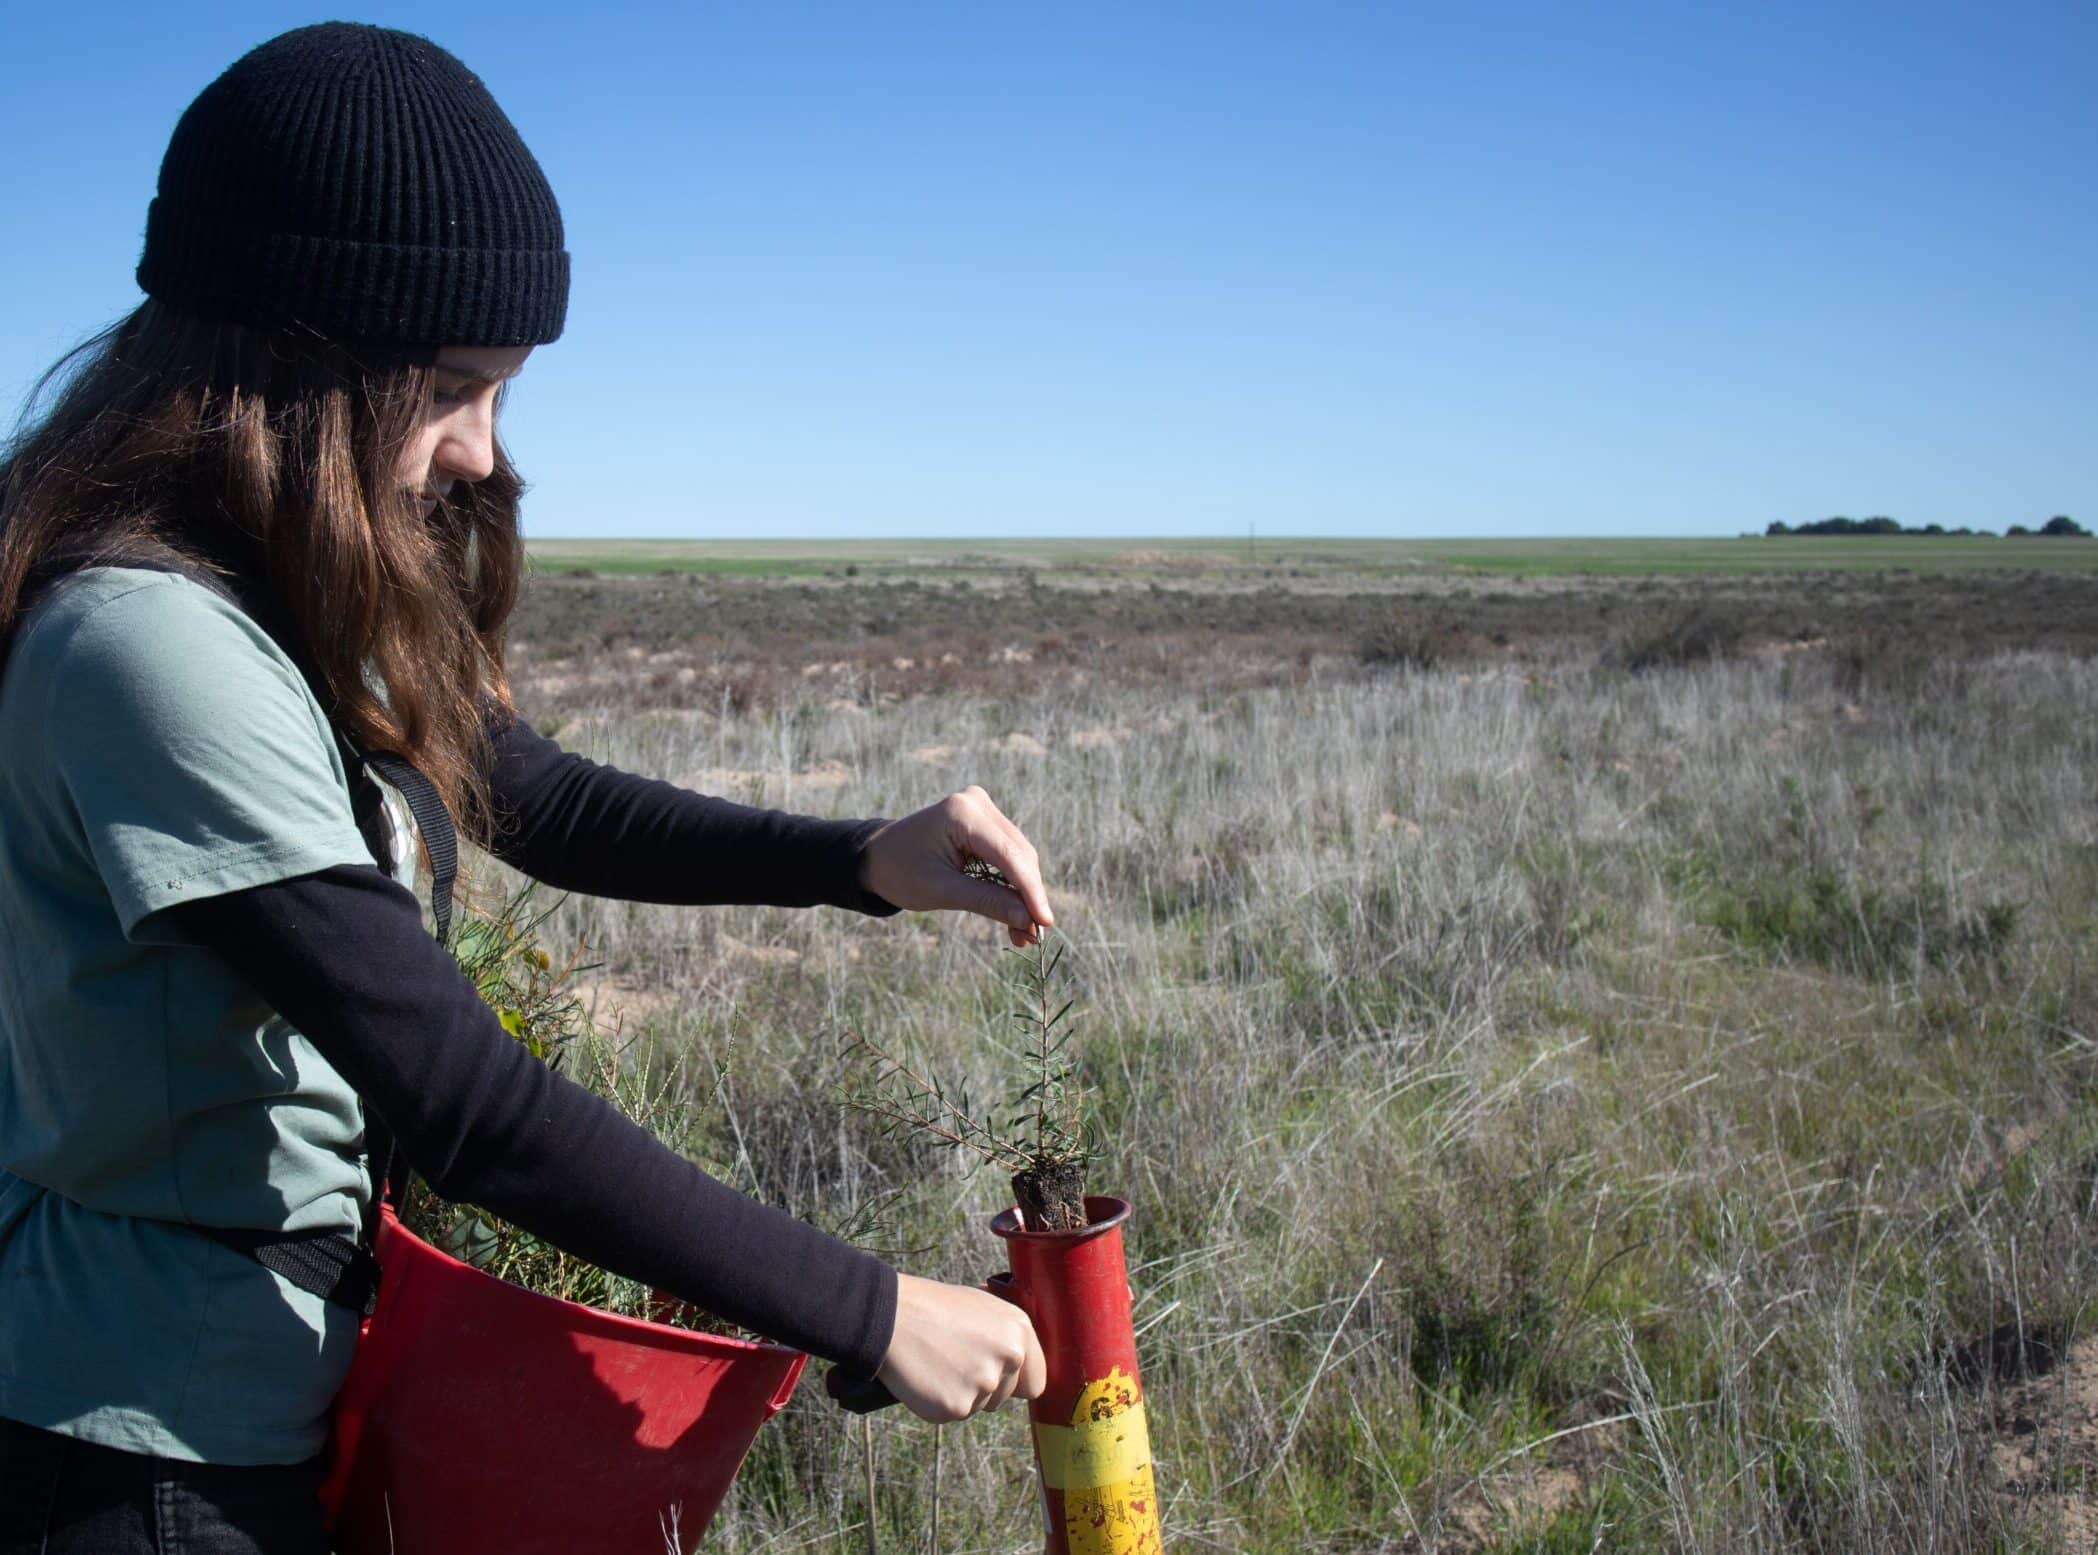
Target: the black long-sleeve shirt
(342, 955)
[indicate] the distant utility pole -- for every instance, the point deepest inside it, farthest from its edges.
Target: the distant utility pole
(1249, 540)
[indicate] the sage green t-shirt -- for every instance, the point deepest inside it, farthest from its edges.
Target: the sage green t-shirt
(157, 748)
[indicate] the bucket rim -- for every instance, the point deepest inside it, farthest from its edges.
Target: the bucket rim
(576, 1313)
(1103, 1211)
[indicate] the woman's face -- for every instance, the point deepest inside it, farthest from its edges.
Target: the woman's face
(457, 441)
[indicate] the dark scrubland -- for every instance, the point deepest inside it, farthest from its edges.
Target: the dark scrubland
(1600, 1063)
(754, 639)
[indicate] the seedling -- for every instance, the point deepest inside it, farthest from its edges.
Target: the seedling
(1038, 1138)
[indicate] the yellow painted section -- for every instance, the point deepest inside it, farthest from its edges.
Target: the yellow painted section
(1115, 1519)
(1101, 1462)
(1095, 1452)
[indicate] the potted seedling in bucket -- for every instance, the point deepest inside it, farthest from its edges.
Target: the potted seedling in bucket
(1066, 1265)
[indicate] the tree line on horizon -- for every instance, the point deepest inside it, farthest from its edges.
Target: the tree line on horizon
(2059, 525)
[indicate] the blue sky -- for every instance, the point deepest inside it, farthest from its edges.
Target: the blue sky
(1177, 269)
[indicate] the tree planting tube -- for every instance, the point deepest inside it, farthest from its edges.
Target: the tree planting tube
(1092, 1450)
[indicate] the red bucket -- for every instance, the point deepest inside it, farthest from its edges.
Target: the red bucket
(482, 1417)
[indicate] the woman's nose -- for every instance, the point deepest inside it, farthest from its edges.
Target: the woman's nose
(468, 450)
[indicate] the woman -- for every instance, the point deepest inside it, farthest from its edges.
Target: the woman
(264, 529)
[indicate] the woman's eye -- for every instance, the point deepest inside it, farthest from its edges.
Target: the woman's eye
(448, 397)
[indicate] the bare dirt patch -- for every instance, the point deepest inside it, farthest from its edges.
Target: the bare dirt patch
(1519, 1498)
(2044, 1448)
(825, 777)
(626, 1000)
(2000, 1151)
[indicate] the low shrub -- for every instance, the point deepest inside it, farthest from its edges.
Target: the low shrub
(1694, 636)
(1861, 928)
(1479, 1298)
(1398, 642)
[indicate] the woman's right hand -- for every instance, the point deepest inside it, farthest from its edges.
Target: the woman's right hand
(957, 1350)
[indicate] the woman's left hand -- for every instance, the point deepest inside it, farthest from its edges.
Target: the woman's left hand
(916, 864)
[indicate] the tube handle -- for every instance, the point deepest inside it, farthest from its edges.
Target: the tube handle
(857, 1395)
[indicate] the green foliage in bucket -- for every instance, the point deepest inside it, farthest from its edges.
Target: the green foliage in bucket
(536, 999)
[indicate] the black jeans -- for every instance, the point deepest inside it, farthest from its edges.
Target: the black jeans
(59, 1496)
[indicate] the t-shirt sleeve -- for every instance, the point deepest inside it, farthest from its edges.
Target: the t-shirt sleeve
(193, 755)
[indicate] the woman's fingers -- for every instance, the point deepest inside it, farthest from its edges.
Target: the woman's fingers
(920, 863)
(957, 1350)
(992, 837)
(1026, 1373)
(1033, 1380)
(989, 899)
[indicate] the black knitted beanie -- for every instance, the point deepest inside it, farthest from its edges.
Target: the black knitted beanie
(361, 183)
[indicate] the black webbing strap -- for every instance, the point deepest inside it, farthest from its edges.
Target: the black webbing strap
(441, 840)
(326, 1264)
(435, 823)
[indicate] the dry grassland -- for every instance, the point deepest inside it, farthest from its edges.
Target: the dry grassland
(1598, 1066)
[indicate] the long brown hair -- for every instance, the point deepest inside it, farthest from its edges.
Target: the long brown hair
(265, 463)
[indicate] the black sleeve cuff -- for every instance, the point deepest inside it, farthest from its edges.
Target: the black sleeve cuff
(854, 895)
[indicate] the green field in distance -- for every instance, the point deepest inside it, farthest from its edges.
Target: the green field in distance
(1528, 557)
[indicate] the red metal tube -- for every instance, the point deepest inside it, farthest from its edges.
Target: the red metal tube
(1091, 1447)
